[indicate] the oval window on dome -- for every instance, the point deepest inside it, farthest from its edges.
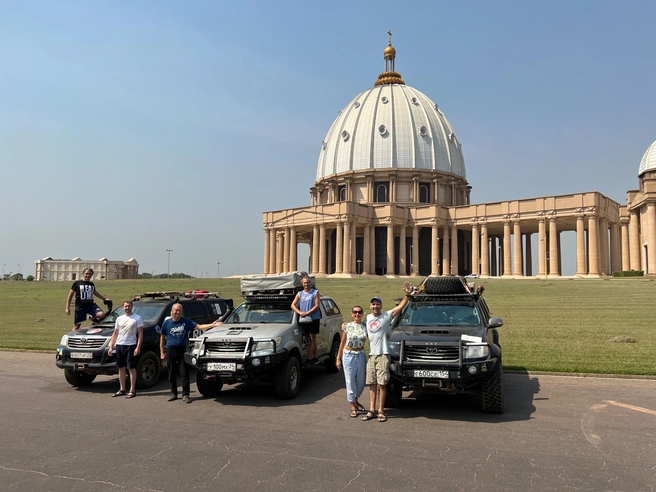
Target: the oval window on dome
(345, 135)
(384, 100)
(414, 101)
(435, 107)
(323, 144)
(423, 131)
(356, 105)
(382, 129)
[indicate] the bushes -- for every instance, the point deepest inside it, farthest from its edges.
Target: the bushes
(630, 273)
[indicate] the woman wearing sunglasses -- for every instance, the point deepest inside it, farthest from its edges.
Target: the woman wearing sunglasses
(351, 356)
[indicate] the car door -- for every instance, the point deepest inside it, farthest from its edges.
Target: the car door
(331, 322)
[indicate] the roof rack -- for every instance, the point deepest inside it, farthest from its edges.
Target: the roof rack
(191, 294)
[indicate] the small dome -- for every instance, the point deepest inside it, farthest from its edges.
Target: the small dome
(648, 162)
(389, 52)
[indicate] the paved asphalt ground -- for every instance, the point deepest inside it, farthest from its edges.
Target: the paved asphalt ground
(558, 433)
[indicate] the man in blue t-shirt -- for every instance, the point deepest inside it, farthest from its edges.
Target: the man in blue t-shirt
(172, 346)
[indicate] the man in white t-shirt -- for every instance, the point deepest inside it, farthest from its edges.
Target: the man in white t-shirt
(127, 339)
(378, 330)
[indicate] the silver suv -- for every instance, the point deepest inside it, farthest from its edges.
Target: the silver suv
(262, 340)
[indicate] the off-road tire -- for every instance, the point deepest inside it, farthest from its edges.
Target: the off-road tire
(444, 285)
(330, 364)
(492, 392)
(148, 369)
(394, 394)
(78, 378)
(206, 387)
(287, 378)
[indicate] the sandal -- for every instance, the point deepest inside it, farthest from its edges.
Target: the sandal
(130, 395)
(368, 416)
(354, 413)
(382, 417)
(118, 393)
(359, 407)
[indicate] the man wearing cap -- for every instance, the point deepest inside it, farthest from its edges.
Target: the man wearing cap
(378, 375)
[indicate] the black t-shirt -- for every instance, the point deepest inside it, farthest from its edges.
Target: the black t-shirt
(83, 292)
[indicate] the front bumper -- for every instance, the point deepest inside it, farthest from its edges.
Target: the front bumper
(99, 362)
(246, 369)
(459, 376)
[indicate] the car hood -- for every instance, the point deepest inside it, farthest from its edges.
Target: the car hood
(255, 330)
(101, 329)
(418, 333)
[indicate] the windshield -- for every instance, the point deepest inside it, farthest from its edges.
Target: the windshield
(441, 315)
(262, 312)
(149, 313)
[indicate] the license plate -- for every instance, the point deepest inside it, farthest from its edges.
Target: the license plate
(81, 355)
(221, 366)
(432, 374)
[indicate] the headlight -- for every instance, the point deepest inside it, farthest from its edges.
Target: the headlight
(195, 347)
(264, 347)
(64, 341)
(476, 351)
(395, 348)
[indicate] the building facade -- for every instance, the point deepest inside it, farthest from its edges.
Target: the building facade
(49, 269)
(391, 197)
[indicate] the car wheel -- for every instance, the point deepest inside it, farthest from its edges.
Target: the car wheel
(492, 392)
(207, 387)
(331, 363)
(394, 394)
(287, 378)
(148, 369)
(78, 378)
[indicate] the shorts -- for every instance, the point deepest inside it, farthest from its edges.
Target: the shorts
(125, 356)
(378, 369)
(81, 311)
(312, 328)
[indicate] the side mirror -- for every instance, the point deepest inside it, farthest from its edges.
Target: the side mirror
(495, 323)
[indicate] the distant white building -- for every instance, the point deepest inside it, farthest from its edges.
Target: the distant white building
(70, 270)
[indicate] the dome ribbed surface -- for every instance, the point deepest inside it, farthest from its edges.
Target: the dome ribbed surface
(648, 162)
(390, 126)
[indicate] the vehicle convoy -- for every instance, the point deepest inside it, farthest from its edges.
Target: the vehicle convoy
(262, 339)
(445, 341)
(83, 354)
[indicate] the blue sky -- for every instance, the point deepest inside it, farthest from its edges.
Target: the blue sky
(130, 127)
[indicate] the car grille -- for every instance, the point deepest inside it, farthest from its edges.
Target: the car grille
(226, 347)
(86, 343)
(427, 353)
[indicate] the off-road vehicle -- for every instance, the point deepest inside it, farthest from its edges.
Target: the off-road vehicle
(82, 353)
(262, 340)
(446, 341)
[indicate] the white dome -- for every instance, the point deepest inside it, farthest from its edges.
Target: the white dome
(648, 162)
(390, 126)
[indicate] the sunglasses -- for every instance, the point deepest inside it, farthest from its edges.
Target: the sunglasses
(356, 312)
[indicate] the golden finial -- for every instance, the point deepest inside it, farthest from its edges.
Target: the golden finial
(389, 76)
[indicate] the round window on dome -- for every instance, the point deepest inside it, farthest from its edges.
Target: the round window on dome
(384, 100)
(414, 101)
(423, 131)
(345, 136)
(382, 130)
(356, 105)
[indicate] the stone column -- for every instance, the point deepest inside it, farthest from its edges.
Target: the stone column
(446, 249)
(542, 249)
(390, 249)
(435, 250)
(485, 251)
(518, 257)
(346, 265)
(614, 248)
(293, 255)
(603, 246)
(580, 246)
(415, 250)
(272, 251)
(554, 262)
(366, 253)
(279, 252)
(529, 256)
(454, 251)
(402, 252)
(634, 241)
(593, 246)
(339, 251)
(651, 238)
(626, 256)
(322, 249)
(507, 260)
(315, 249)
(475, 250)
(285, 251)
(267, 242)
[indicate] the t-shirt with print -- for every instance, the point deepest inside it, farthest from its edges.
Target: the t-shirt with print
(127, 327)
(84, 290)
(177, 332)
(356, 335)
(377, 329)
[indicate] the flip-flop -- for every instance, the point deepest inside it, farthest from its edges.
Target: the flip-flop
(130, 395)
(118, 393)
(368, 416)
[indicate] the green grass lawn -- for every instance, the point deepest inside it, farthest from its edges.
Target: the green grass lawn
(549, 325)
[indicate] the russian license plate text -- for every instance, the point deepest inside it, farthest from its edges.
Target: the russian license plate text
(221, 366)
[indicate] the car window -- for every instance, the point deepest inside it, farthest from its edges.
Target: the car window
(441, 314)
(217, 308)
(149, 313)
(330, 307)
(194, 311)
(262, 312)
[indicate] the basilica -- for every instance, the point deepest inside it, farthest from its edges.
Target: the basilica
(391, 197)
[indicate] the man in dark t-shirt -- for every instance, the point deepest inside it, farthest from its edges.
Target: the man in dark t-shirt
(84, 290)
